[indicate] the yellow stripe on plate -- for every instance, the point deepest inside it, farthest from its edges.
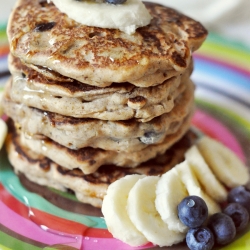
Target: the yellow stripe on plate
(4, 248)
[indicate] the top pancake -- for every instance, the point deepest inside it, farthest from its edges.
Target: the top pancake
(41, 35)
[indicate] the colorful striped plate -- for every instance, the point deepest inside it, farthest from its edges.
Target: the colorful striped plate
(29, 221)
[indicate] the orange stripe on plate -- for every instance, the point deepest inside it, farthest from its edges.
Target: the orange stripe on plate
(4, 50)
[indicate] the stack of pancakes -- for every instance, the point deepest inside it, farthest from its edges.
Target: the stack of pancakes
(89, 105)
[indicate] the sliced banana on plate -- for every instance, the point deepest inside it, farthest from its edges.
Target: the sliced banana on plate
(143, 214)
(139, 209)
(174, 186)
(170, 191)
(194, 188)
(115, 212)
(203, 173)
(227, 167)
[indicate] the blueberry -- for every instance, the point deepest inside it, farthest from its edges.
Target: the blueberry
(150, 138)
(240, 195)
(115, 1)
(222, 227)
(41, 27)
(200, 238)
(192, 211)
(239, 215)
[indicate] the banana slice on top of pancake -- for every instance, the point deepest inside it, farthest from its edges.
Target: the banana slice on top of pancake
(126, 17)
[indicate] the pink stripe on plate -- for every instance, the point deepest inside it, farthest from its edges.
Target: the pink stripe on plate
(90, 243)
(30, 230)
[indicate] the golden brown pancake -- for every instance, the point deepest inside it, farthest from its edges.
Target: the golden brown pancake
(89, 159)
(41, 35)
(117, 102)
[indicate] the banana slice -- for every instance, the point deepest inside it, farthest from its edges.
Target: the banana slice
(169, 193)
(224, 163)
(142, 212)
(193, 187)
(205, 176)
(126, 17)
(115, 212)
(3, 132)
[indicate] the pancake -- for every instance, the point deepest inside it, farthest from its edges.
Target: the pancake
(88, 188)
(77, 133)
(41, 35)
(117, 102)
(90, 159)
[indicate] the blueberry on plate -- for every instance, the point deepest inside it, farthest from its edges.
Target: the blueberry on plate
(192, 211)
(200, 238)
(240, 195)
(239, 215)
(222, 227)
(115, 1)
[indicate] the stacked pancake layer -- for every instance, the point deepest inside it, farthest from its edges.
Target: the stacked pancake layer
(86, 100)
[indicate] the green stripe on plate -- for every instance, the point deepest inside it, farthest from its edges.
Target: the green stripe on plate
(225, 50)
(3, 26)
(215, 38)
(64, 194)
(3, 32)
(3, 35)
(12, 243)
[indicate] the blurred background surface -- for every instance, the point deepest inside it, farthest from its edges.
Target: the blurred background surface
(229, 18)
